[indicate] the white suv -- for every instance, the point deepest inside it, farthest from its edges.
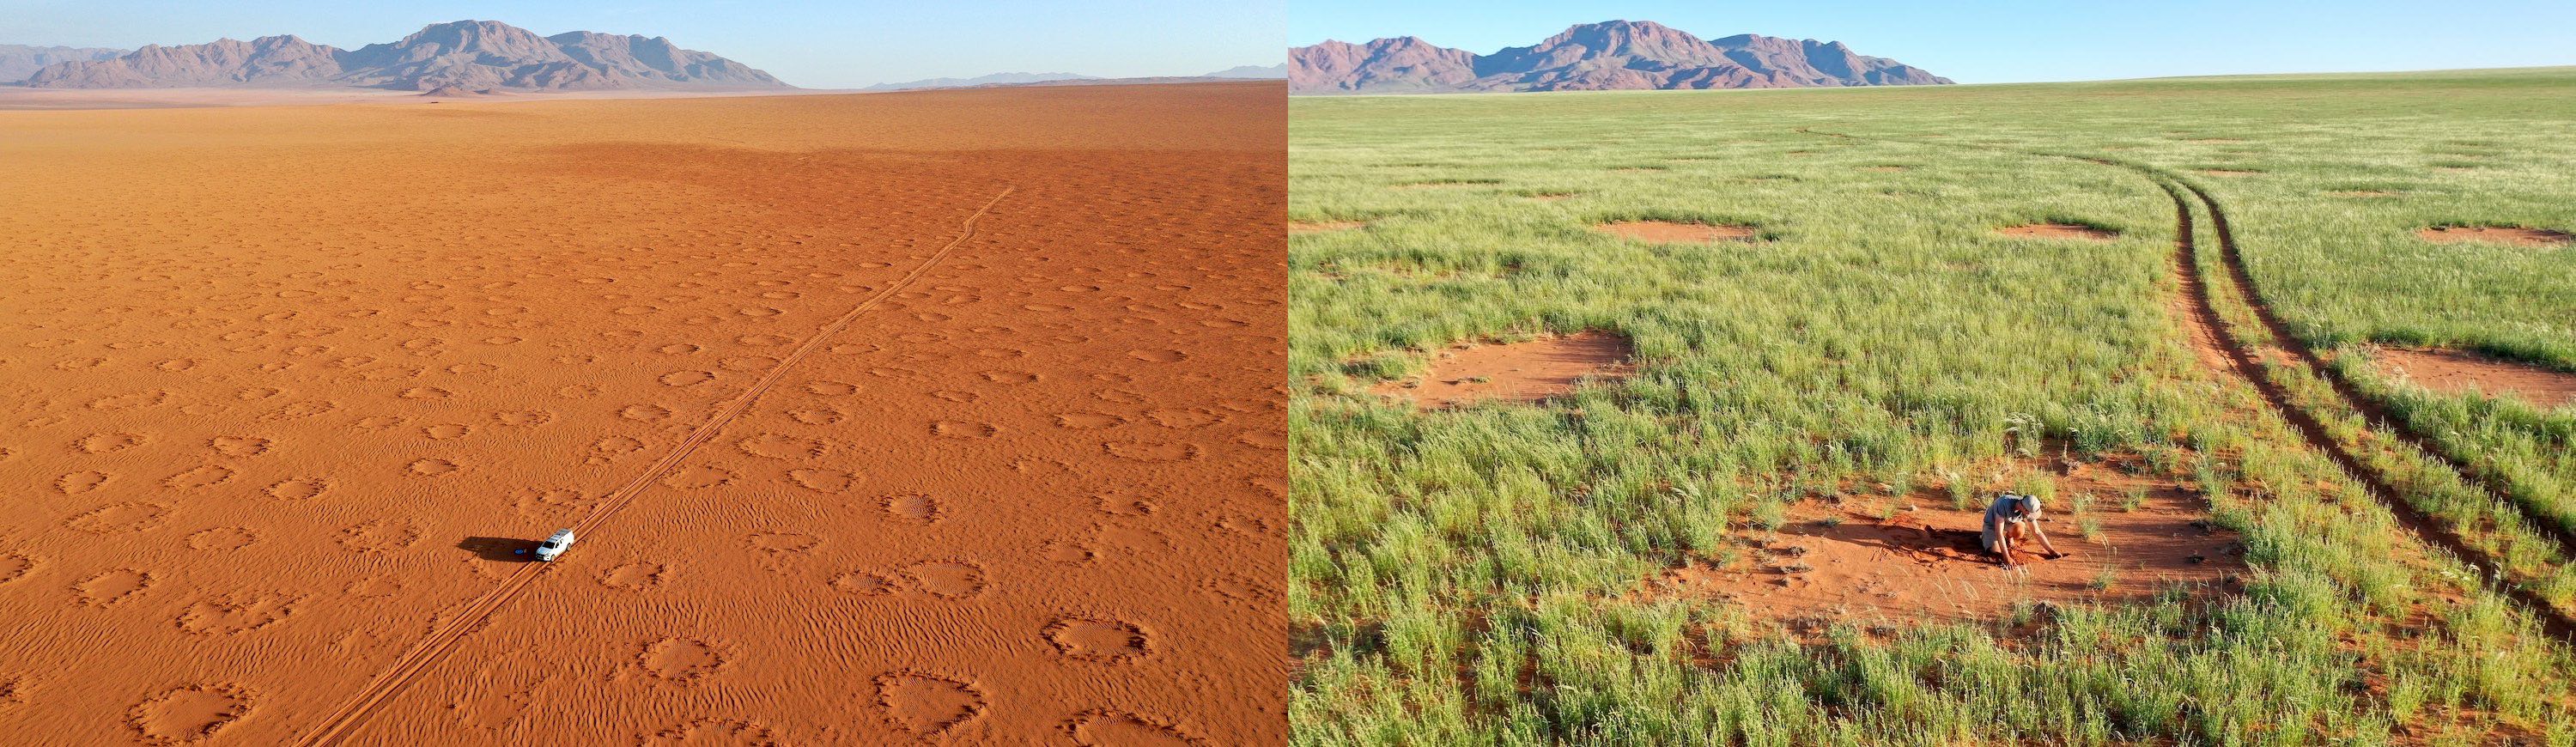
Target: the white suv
(554, 546)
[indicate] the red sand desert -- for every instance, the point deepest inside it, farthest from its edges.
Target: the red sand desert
(950, 417)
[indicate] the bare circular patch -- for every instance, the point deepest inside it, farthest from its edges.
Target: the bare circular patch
(2122, 533)
(1521, 372)
(1106, 727)
(927, 704)
(1671, 232)
(1098, 639)
(188, 714)
(2456, 372)
(953, 579)
(681, 660)
(2507, 235)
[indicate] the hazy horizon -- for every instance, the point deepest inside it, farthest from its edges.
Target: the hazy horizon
(2026, 40)
(849, 45)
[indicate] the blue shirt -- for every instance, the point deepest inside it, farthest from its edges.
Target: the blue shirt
(2007, 509)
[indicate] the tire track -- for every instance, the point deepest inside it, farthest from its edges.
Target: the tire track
(2240, 356)
(2205, 319)
(2372, 411)
(473, 615)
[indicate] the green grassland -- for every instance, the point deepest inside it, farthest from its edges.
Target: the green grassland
(1467, 576)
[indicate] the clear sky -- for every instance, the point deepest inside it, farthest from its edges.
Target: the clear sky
(2025, 40)
(821, 44)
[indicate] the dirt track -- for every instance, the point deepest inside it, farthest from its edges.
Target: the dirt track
(288, 389)
(2371, 410)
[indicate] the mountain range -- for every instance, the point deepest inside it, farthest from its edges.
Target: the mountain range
(1253, 72)
(452, 57)
(1611, 55)
(19, 60)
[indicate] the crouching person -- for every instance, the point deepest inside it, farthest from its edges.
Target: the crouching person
(2008, 522)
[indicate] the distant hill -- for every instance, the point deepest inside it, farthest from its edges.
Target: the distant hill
(980, 80)
(1252, 72)
(463, 55)
(1612, 55)
(17, 61)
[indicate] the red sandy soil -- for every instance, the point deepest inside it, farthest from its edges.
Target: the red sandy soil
(2058, 231)
(1520, 372)
(287, 390)
(1842, 563)
(1297, 227)
(2496, 235)
(1668, 232)
(2458, 372)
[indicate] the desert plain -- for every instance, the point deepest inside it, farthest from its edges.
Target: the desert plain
(890, 418)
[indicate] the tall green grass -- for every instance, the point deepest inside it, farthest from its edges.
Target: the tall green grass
(1464, 577)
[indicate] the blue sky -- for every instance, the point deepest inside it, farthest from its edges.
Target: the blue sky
(813, 44)
(2023, 40)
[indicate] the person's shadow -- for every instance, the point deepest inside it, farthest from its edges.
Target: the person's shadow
(501, 549)
(1921, 541)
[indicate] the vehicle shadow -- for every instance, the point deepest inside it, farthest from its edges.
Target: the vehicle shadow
(501, 549)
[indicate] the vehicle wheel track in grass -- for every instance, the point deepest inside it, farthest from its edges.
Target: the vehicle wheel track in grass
(2240, 356)
(2372, 410)
(349, 715)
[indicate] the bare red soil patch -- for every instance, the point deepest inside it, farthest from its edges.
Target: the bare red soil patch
(1298, 227)
(2058, 231)
(1670, 232)
(2512, 235)
(2457, 372)
(1522, 372)
(1831, 563)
